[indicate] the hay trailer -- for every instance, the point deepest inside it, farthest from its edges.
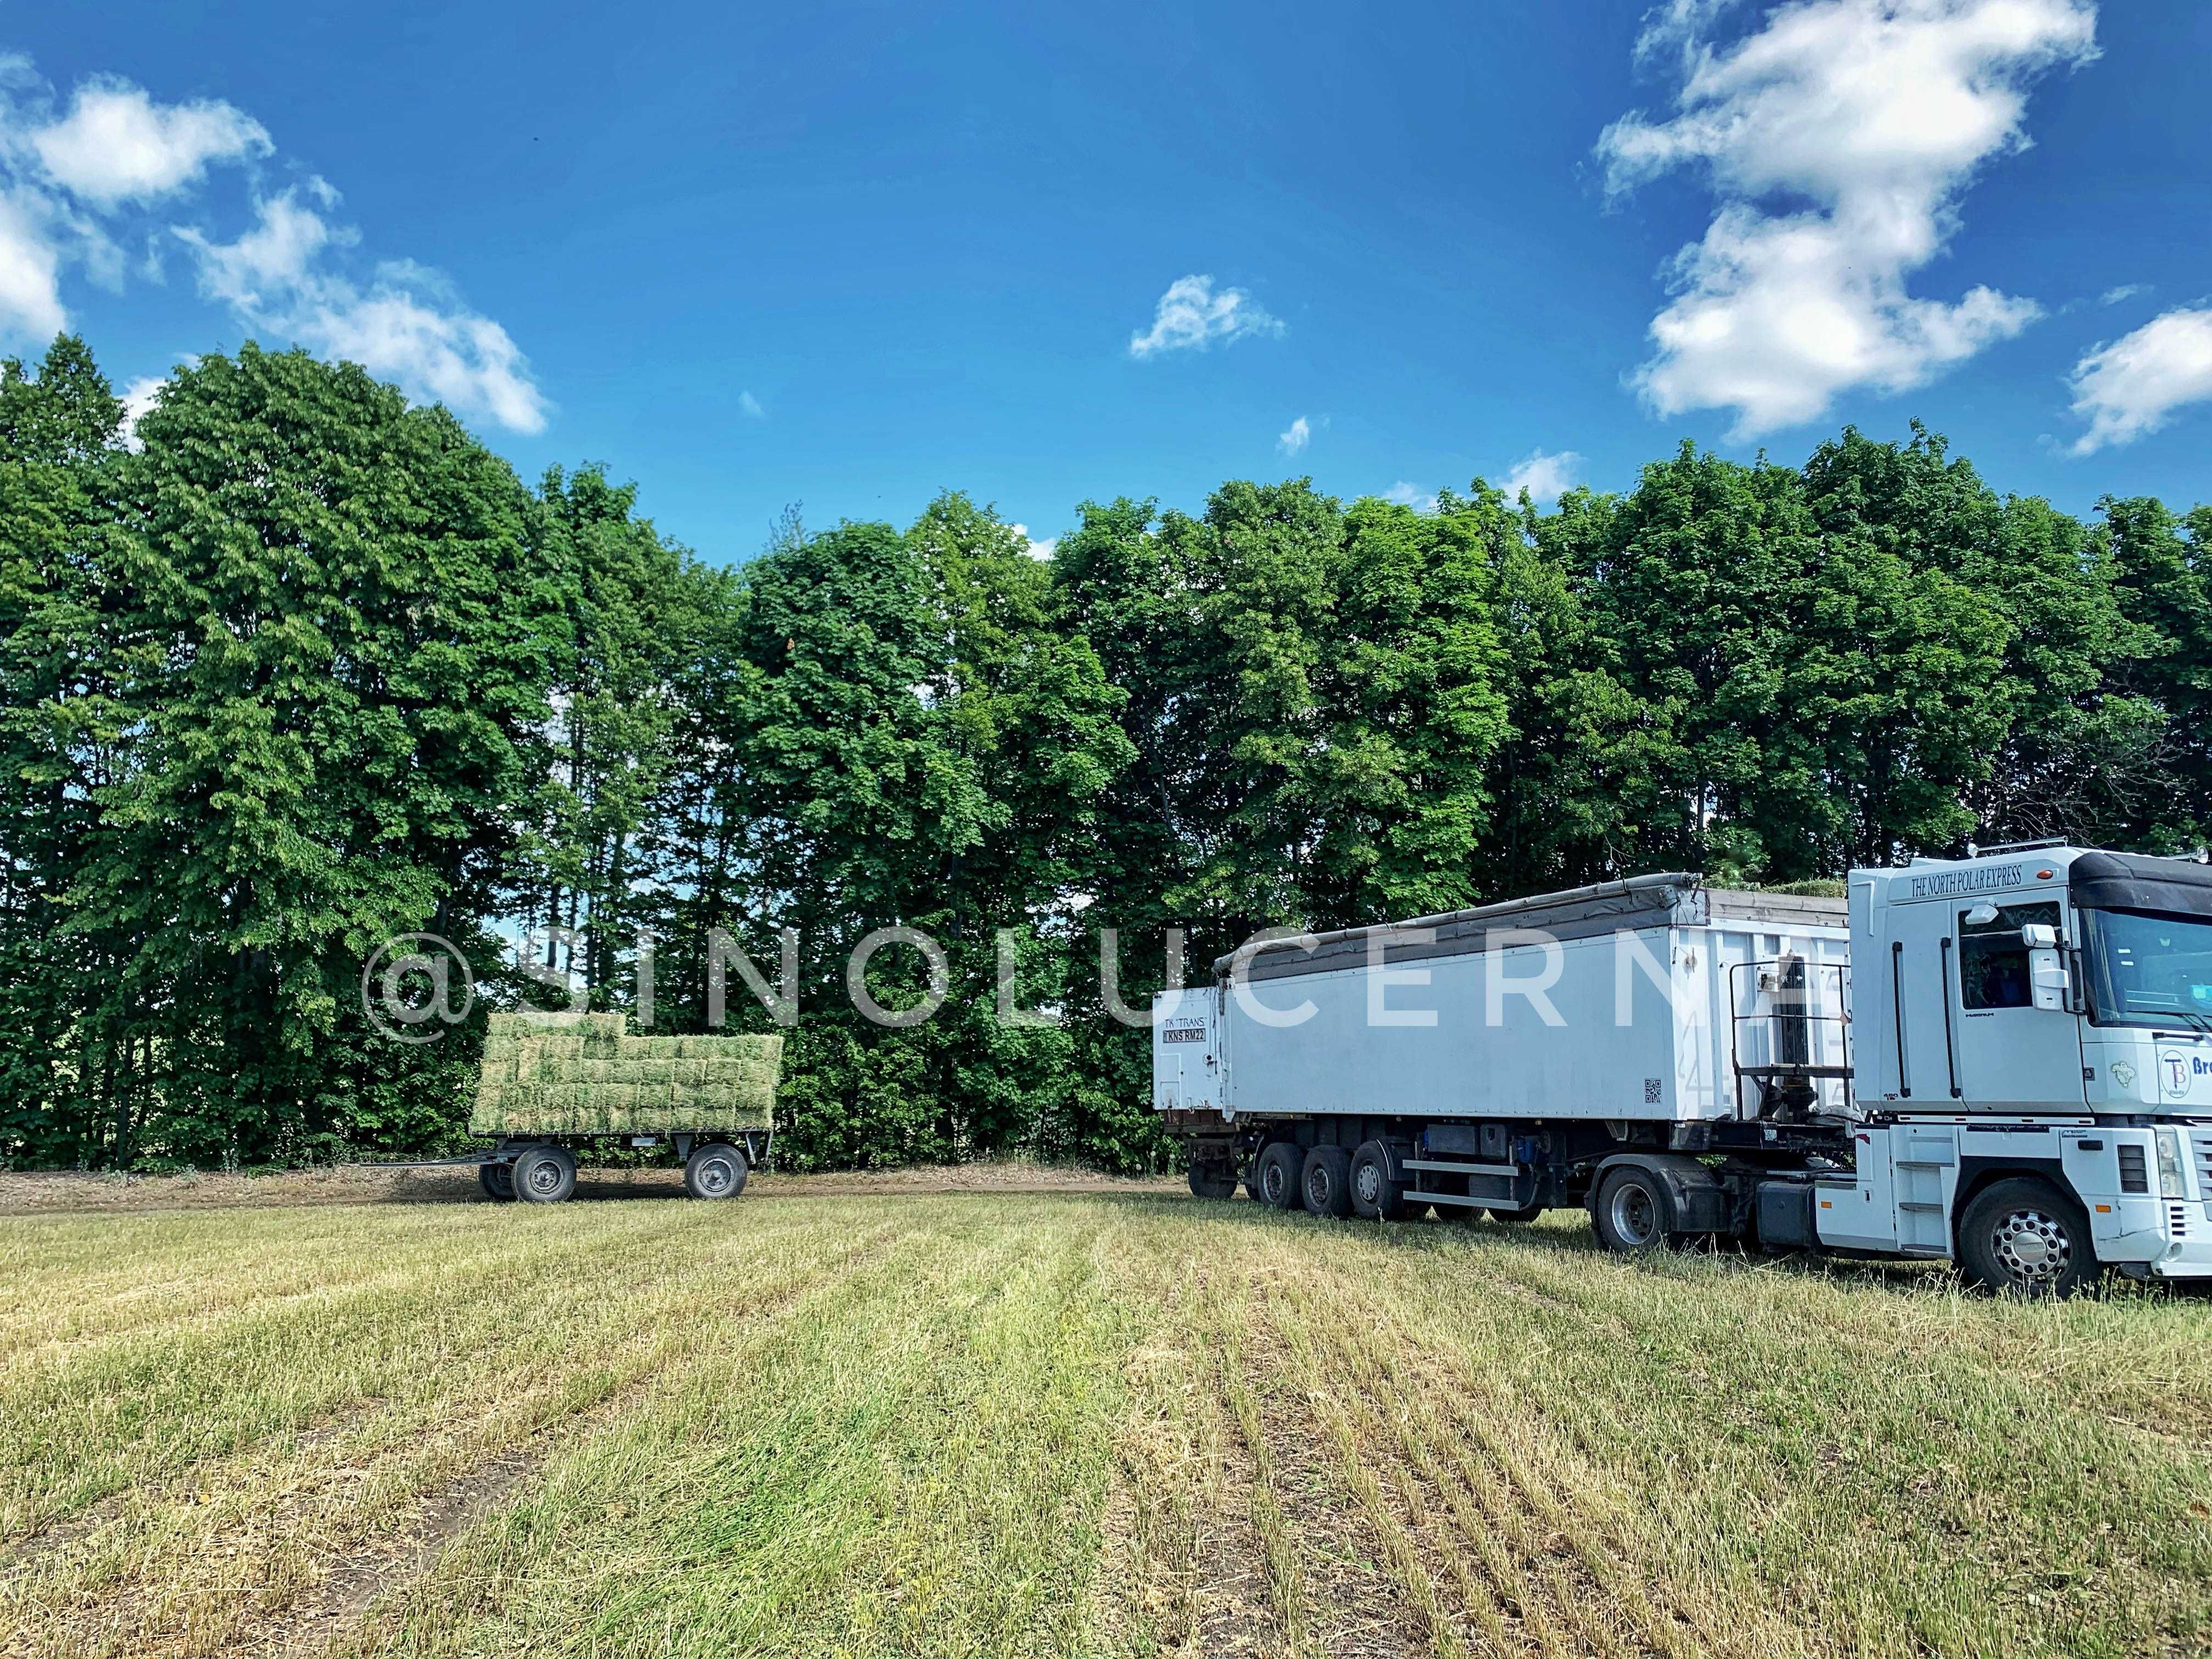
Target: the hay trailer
(553, 1084)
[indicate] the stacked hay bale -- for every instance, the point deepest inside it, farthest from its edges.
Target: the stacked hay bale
(560, 1074)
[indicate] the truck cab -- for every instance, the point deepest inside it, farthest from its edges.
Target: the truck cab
(2033, 1065)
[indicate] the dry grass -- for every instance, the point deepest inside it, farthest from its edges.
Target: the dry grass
(1109, 1422)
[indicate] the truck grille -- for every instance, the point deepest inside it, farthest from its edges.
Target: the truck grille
(2200, 1143)
(2177, 1221)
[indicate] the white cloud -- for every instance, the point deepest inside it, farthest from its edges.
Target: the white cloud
(1190, 313)
(1294, 441)
(465, 361)
(268, 262)
(749, 407)
(140, 396)
(2133, 386)
(1838, 139)
(1037, 549)
(287, 274)
(1546, 478)
(30, 269)
(117, 145)
(407, 325)
(1410, 494)
(2112, 296)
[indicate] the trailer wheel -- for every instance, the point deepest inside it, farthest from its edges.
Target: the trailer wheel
(1274, 1179)
(497, 1181)
(1375, 1194)
(1213, 1178)
(544, 1174)
(2024, 1237)
(1326, 1181)
(714, 1171)
(1635, 1212)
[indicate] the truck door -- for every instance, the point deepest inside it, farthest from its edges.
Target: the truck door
(2016, 1044)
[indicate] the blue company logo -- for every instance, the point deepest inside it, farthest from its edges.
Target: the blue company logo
(2179, 1069)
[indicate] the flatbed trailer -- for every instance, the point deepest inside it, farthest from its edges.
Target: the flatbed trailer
(2023, 1083)
(553, 1084)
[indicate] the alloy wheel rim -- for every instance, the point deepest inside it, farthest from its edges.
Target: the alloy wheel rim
(2032, 1247)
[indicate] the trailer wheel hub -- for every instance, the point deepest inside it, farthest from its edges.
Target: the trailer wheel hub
(545, 1176)
(2032, 1246)
(1635, 1217)
(1367, 1183)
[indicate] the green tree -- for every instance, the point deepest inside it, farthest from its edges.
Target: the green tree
(356, 634)
(2162, 564)
(66, 1087)
(638, 611)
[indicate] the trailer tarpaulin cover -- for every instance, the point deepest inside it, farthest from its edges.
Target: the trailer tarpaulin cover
(1655, 900)
(583, 1074)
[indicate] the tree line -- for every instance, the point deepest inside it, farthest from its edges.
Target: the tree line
(292, 668)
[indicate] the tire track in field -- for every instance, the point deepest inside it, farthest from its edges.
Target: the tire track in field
(1540, 1516)
(137, 1370)
(1282, 1564)
(861, 1418)
(1360, 1595)
(1184, 1570)
(356, 1584)
(254, 1458)
(264, 1617)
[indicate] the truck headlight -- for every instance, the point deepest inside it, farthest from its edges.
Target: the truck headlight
(2169, 1164)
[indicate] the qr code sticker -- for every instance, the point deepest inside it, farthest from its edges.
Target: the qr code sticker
(1654, 1090)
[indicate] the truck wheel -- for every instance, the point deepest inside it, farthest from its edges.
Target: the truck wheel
(714, 1171)
(1326, 1181)
(1515, 1218)
(2026, 1236)
(1275, 1175)
(1213, 1180)
(1374, 1193)
(544, 1174)
(1635, 1211)
(497, 1181)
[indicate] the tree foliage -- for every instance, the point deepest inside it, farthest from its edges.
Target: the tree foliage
(294, 669)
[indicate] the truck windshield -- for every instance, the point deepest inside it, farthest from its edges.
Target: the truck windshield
(2148, 970)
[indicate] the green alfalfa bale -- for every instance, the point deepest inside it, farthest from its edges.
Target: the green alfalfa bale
(584, 1074)
(659, 1116)
(490, 1091)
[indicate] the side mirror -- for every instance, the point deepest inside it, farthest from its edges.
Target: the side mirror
(1981, 915)
(2046, 969)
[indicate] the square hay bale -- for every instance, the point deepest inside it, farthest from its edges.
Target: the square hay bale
(583, 1074)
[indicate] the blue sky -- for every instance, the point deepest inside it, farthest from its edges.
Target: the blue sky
(1044, 254)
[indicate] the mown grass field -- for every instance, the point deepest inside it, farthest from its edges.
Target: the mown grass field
(1105, 1424)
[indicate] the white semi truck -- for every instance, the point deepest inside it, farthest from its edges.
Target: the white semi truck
(2004, 1060)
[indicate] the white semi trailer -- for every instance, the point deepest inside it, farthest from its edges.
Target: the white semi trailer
(2004, 1060)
